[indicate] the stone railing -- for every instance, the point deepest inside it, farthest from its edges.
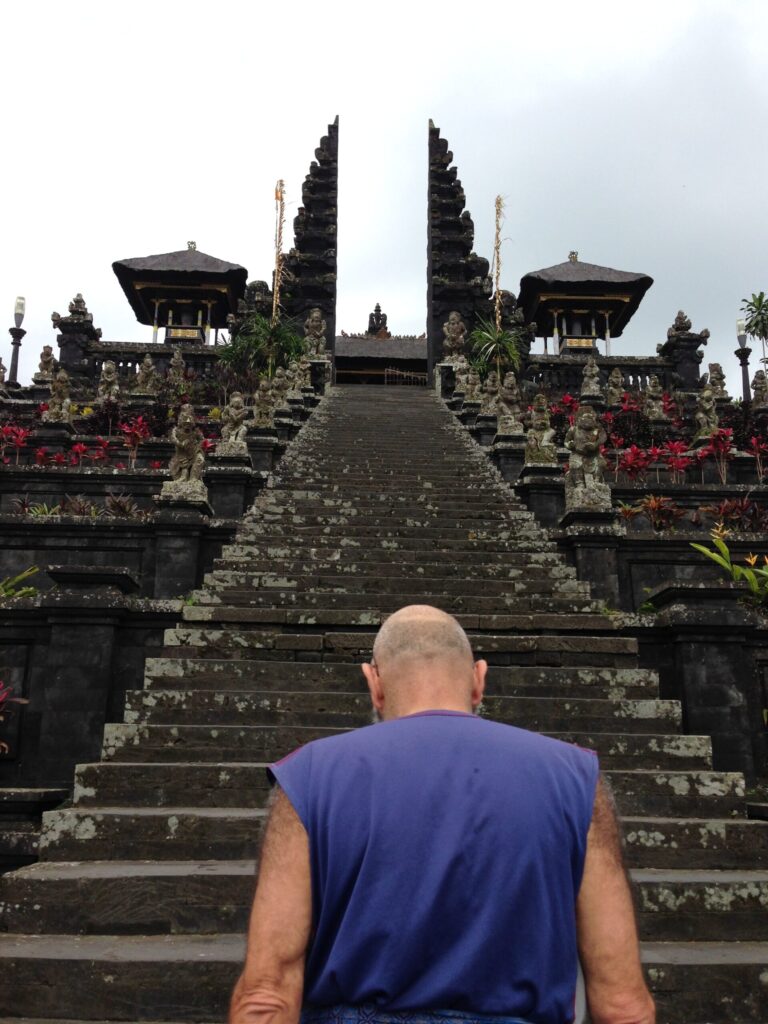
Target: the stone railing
(560, 374)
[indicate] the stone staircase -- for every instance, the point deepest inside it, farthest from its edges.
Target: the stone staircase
(138, 906)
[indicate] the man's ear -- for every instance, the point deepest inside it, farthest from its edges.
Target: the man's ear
(374, 685)
(478, 681)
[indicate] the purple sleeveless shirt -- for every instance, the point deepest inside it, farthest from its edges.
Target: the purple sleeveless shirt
(447, 853)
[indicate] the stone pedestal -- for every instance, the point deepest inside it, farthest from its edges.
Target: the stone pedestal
(320, 370)
(178, 532)
(469, 412)
(591, 538)
(456, 401)
(484, 429)
(541, 486)
(445, 380)
(311, 400)
(597, 402)
(55, 437)
(184, 494)
(507, 454)
(714, 673)
(264, 447)
(229, 479)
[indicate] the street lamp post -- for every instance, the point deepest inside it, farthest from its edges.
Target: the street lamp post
(742, 354)
(16, 333)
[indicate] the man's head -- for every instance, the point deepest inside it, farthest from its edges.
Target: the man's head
(422, 661)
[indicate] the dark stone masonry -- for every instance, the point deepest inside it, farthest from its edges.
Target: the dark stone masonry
(215, 551)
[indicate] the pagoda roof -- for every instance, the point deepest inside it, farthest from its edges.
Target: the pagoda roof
(620, 290)
(186, 271)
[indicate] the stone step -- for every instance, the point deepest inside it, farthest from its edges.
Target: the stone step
(150, 833)
(213, 744)
(340, 562)
(249, 674)
(492, 604)
(210, 897)
(281, 501)
(126, 978)
(209, 707)
(353, 522)
(422, 541)
(573, 650)
(374, 612)
(236, 582)
(658, 793)
(212, 833)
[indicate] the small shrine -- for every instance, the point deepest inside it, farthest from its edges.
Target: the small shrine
(576, 304)
(377, 324)
(187, 293)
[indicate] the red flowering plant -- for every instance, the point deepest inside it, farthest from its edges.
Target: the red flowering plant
(758, 450)
(157, 464)
(100, 450)
(41, 456)
(208, 445)
(629, 403)
(634, 463)
(721, 445)
(677, 460)
(59, 459)
(655, 458)
(611, 452)
(77, 453)
(134, 431)
(43, 407)
(12, 436)
(6, 699)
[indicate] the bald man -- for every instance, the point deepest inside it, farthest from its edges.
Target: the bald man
(438, 866)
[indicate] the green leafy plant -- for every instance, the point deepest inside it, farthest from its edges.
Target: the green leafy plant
(260, 346)
(756, 320)
(41, 510)
(495, 345)
(10, 587)
(756, 579)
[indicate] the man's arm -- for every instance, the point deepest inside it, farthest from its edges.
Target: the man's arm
(270, 988)
(608, 944)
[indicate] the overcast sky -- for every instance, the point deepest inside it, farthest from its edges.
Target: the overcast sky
(633, 133)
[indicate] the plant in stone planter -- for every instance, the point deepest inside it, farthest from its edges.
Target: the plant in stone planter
(80, 505)
(661, 512)
(758, 449)
(11, 586)
(134, 431)
(756, 579)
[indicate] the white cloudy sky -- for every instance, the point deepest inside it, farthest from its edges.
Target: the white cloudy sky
(635, 133)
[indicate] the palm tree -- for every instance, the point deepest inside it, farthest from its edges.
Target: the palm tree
(756, 321)
(492, 344)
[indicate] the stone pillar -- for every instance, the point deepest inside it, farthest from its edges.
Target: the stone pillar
(541, 487)
(229, 479)
(592, 537)
(264, 447)
(715, 676)
(16, 333)
(743, 354)
(72, 692)
(178, 533)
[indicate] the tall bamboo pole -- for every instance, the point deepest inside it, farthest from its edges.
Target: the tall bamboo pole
(279, 223)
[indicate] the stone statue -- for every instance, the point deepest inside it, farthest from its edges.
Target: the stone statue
(615, 387)
(314, 333)
(47, 367)
(759, 390)
(109, 386)
(79, 321)
(280, 386)
(472, 388)
(460, 372)
(681, 325)
(590, 380)
(263, 404)
(540, 439)
(305, 373)
(490, 394)
(233, 426)
(717, 380)
(705, 417)
(654, 399)
(186, 465)
(3, 371)
(177, 369)
(509, 405)
(59, 405)
(294, 378)
(146, 378)
(585, 485)
(454, 337)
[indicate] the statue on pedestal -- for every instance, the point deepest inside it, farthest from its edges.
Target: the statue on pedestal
(472, 387)
(654, 399)
(717, 381)
(233, 427)
(460, 372)
(280, 385)
(47, 366)
(454, 337)
(294, 377)
(314, 334)
(509, 406)
(705, 417)
(186, 465)
(263, 405)
(109, 386)
(759, 390)
(146, 378)
(177, 370)
(59, 405)
(540, 439)
(615, 388)
(585, 485)
(490, 394)
(590, 380)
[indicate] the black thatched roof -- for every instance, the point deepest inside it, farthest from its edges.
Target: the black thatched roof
(173, 272)
(576, 279)
(381, 348)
